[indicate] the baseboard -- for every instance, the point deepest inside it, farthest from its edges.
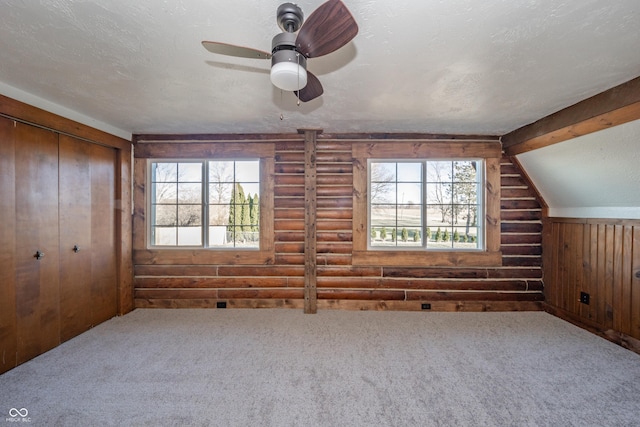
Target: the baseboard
(616, 337)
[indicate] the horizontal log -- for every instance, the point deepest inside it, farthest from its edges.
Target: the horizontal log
(334, 168)
(519, 204)
(420, 258)
(288, 191)
(334, 225)
(334, 214)
(429, 284)
(176, 270)
(473, 296)
(516, 238)
(295, 180)
(290, 144)
(211, 282)
(333, 145)
(347, 294)
(509, 169)
(218, 293)
(512, 181)
(288, 225)
(289, 236)
(521, 250)
(334, 157)
(522, 261)
(271, 270)
(334, 248)
(349, 271)
(289, 247)
(334, 259)
(514, 193)
(521, 227)
(334, 179)
(289, 157)
(461, 273)
(528, 215)
(284, 202)
(289, 168)
(212, 303)
(335, 191)
(438, 306)
(280, 214)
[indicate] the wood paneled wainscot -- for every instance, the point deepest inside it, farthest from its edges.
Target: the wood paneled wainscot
(600, 260)
(508, 276)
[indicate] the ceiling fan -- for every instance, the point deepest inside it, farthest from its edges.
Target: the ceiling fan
(326, 30)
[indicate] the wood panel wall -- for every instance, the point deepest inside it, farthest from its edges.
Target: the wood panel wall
(279, 281)
(602, 259)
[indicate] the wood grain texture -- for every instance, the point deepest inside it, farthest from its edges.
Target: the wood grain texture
(613, 107)
(37, 281)
(310, 223)
(601, 259)
(8, 320)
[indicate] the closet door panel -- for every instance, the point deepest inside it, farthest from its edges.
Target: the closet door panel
(75, 237)
(103, 255)
(8, 327)
(36, 204)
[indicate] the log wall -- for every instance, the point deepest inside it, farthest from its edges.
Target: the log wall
(602, 259)
(279, 281)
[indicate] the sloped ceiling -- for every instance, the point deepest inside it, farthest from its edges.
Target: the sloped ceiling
(455, 66)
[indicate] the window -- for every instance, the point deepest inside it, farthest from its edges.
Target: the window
(426, 204)
(205, 203)
(420, 186)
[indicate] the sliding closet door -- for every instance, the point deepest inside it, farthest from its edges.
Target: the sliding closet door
(37, 245)
(104, 275)
(75, 237)
(88, 275)
(8, 336)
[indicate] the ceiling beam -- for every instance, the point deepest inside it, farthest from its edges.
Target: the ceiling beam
(612, 107)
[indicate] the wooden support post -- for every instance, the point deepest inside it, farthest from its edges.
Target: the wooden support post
(310, 267)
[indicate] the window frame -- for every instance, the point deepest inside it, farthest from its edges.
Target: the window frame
(489, 151)
(424, 246)
(204, 204)
(169, 151)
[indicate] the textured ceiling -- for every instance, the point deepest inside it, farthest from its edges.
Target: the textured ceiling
(454, 66)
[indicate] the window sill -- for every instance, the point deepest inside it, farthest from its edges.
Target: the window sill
(427, 258)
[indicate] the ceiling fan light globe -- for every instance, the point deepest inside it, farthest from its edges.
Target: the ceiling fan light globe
(288, 76)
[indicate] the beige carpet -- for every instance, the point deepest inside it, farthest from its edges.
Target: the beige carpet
(336, 368)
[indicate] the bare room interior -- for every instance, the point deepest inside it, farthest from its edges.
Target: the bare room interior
(355, 212)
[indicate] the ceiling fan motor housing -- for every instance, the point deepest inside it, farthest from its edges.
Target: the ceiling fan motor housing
(289, 17)
(288, 66)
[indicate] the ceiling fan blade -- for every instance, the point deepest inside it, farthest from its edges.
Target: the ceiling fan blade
(233, 50)
(312, 90)
(327, 29)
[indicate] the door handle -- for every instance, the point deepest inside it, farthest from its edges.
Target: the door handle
(38, 255)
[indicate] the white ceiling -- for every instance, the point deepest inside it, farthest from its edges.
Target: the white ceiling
(434, 66)
(454, 66)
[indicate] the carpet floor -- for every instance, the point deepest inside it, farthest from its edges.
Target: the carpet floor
(335, 368)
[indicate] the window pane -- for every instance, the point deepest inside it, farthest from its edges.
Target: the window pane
(219, 214)
(409, 216)
(220, 193)
(189, 236)
(383, 215)
(410, 194)
(218, 236)
(220, 171)
(248, 171)
(165, 193)
(439, 193)
(164, 172)
(409, 172)
(190, 172)
(383, 172)
(465, 238)
(165, 214)
(189, 215)
(439, 171)
(165, 236)
(189, 193)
